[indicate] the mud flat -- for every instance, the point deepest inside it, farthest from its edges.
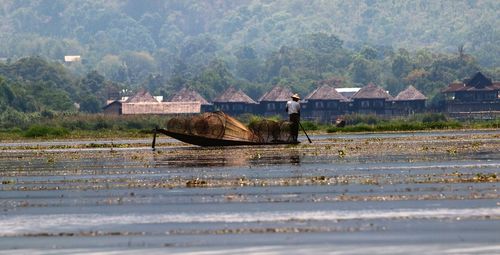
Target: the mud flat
(387, 193)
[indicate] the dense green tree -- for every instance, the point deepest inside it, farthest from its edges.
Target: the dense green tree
(93, 82)
(137, 8)
(90, 104)
(10, 118)
(138, 65)
(6, 94)
(113, 68)
(114, 26)
(401, 65)
(369, 53)
(214, 79)
(56, 100)
(248, 65)
(154, 83)
(364, 71)
(322, 43)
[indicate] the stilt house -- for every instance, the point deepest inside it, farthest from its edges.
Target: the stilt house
(478, 94)
(234, 102)
(371, 99)
(325, 104)
(274, 101)
(409, 101)
(190, 95)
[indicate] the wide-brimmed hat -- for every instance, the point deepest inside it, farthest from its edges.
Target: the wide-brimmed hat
(296, 96)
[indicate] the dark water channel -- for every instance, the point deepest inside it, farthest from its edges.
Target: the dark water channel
(268, 200)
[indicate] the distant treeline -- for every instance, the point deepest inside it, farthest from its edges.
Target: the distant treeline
(34, 86)
(209, 44)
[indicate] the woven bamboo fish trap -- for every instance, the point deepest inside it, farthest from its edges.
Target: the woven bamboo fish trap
(267, 130)
(208, 125)
(179, 125)
(285, 128)
(216, 125)
(270, 131)
(235, 130)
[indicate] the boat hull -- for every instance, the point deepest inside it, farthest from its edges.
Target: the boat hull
(205, 141)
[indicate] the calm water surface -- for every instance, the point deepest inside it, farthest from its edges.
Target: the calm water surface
(267, 200)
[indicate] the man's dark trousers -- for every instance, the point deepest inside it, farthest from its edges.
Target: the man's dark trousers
(294, 129)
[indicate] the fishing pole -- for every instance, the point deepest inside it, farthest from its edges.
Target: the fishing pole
(305, 132)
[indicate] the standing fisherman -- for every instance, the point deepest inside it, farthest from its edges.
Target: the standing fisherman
(293, 109)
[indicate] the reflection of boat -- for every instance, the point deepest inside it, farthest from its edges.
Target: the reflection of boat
(224, 156)
(220, 129)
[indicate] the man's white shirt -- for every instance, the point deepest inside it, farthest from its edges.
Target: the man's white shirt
(293, 107)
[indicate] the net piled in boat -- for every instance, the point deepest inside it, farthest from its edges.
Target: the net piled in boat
(267, 130)
(285, 128)
(235, 130)
(271, 131)
(216, 125)
(179, 125)
(210, 125)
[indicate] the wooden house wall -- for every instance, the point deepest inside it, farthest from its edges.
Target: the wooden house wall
(472, 101)
(268, 108)
(476, 96)
(367, 106)
(317, 110)
(235, 108)
(113, 109)
(161, 108)
(207, 108)
(406, 107)
(324, 110)
(455, 106)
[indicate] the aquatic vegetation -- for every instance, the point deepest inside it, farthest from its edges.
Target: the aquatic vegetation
(341, 153)
(480, 177)
(196, 183)
(8, 182)
(335, 184)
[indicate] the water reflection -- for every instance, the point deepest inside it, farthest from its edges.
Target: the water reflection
(293, 158)
(225, 157)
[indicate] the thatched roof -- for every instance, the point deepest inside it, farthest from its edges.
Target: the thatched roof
(111, 103)
(187, 95)
(372, 91)
(277, 94)
(326, 92)
(478, 82)
(410, 94)
(141, 96)
(233, 95)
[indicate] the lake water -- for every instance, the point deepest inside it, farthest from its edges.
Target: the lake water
(253, 200)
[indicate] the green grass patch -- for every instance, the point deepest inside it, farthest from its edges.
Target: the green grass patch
(309, 125)
(374, 123)
(96, 126)
(397, 125)
(45, 131)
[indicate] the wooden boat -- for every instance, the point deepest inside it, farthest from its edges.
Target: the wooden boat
(219, 129)
(204, 141)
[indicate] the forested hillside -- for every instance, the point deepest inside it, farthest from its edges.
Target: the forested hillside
(253, 44)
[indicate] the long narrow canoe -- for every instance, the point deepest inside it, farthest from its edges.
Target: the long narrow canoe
(205, 141)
